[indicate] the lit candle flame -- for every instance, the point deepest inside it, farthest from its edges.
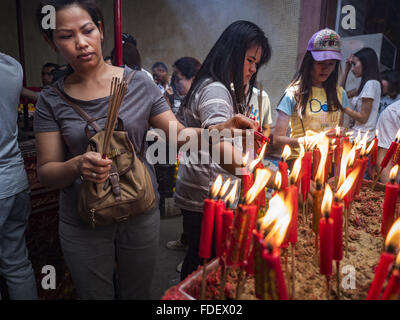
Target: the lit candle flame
(350, 133)
(363, 143)
(323, 146)
(398, 135)
(278, 180)
(216, 186)
(253, 164)
(352, 156)
(393, 172)
(231, 196)
(276, 222)
(225, 187)
(264, 148)
(357, 139)
(294, 174)
(286, 152)
(371, 145)
(343, 162)
(393, 236)
(260, 181)
(398, 260)
(376, 133)
(337, 130)
(327, 200)
(347, 184)
(246, 158)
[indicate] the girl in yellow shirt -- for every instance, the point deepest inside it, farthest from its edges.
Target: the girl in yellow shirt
(313, 100)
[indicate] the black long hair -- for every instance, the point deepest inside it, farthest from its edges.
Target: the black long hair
(224, 62)
(370, 66)
(187, 66)
(302, 82)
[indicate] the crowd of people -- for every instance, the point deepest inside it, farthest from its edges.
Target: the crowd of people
(213, 94)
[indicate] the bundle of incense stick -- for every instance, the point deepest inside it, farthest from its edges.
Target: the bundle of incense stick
(117, 93)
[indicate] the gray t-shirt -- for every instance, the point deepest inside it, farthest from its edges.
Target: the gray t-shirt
(142, 102)
(211, 104)
(12, 172)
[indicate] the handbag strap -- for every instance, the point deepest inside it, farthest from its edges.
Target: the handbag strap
(89, 120)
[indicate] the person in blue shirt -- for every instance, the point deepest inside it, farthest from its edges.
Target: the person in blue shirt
(15, 266)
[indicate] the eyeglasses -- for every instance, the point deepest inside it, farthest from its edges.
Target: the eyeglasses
(316, 106)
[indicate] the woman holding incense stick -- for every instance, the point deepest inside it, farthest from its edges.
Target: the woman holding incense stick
(313, 100)
(131, 246)
(217, 93)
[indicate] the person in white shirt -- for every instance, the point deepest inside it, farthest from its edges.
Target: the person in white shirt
(365, 100)
(387, 126)
(390, 89)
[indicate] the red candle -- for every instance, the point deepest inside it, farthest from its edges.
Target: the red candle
(389, 204)
(326, 245)
(293, 195)
(283, 169)
(374, 152)
(328, 165)
(306, 178)
(251, 213)
(247, 182)
(337, 217)
(380, 275)
(363, 166)
(219, 209)
(227, 219)
(259, 264)
(315, 162)
(207, 224)
(238, 235)
(393, 287)
(273, 264)
(389, 154)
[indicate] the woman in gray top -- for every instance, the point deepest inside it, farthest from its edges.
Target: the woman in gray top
(220, 90)
(62, 158)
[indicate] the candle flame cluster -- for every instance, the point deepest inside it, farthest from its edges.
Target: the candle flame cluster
(275, 222)
(261, 179)
(347, 184)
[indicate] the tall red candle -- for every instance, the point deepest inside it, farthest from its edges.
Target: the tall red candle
(363, 166)
(389, 206)
(374, 152)
(237, 237)
(247, 179)
(337, 217)
(251, 213)
(283, 169)
(293, 194)
(306, 178)
(227, 220)
(328, 165)
(315, 162)
(326, 245)
(207, 226)
(382, 271)
(389, 154)
(273, 264)
(219, 209)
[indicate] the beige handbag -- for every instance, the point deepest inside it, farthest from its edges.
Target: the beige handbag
(128, 191)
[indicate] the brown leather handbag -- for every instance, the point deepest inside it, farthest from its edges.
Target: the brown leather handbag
(128, 191)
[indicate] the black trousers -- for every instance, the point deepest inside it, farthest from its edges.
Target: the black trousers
(192, 227)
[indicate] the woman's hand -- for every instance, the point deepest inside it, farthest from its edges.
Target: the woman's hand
(349, 61)
(240, 122)
(93, 168)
